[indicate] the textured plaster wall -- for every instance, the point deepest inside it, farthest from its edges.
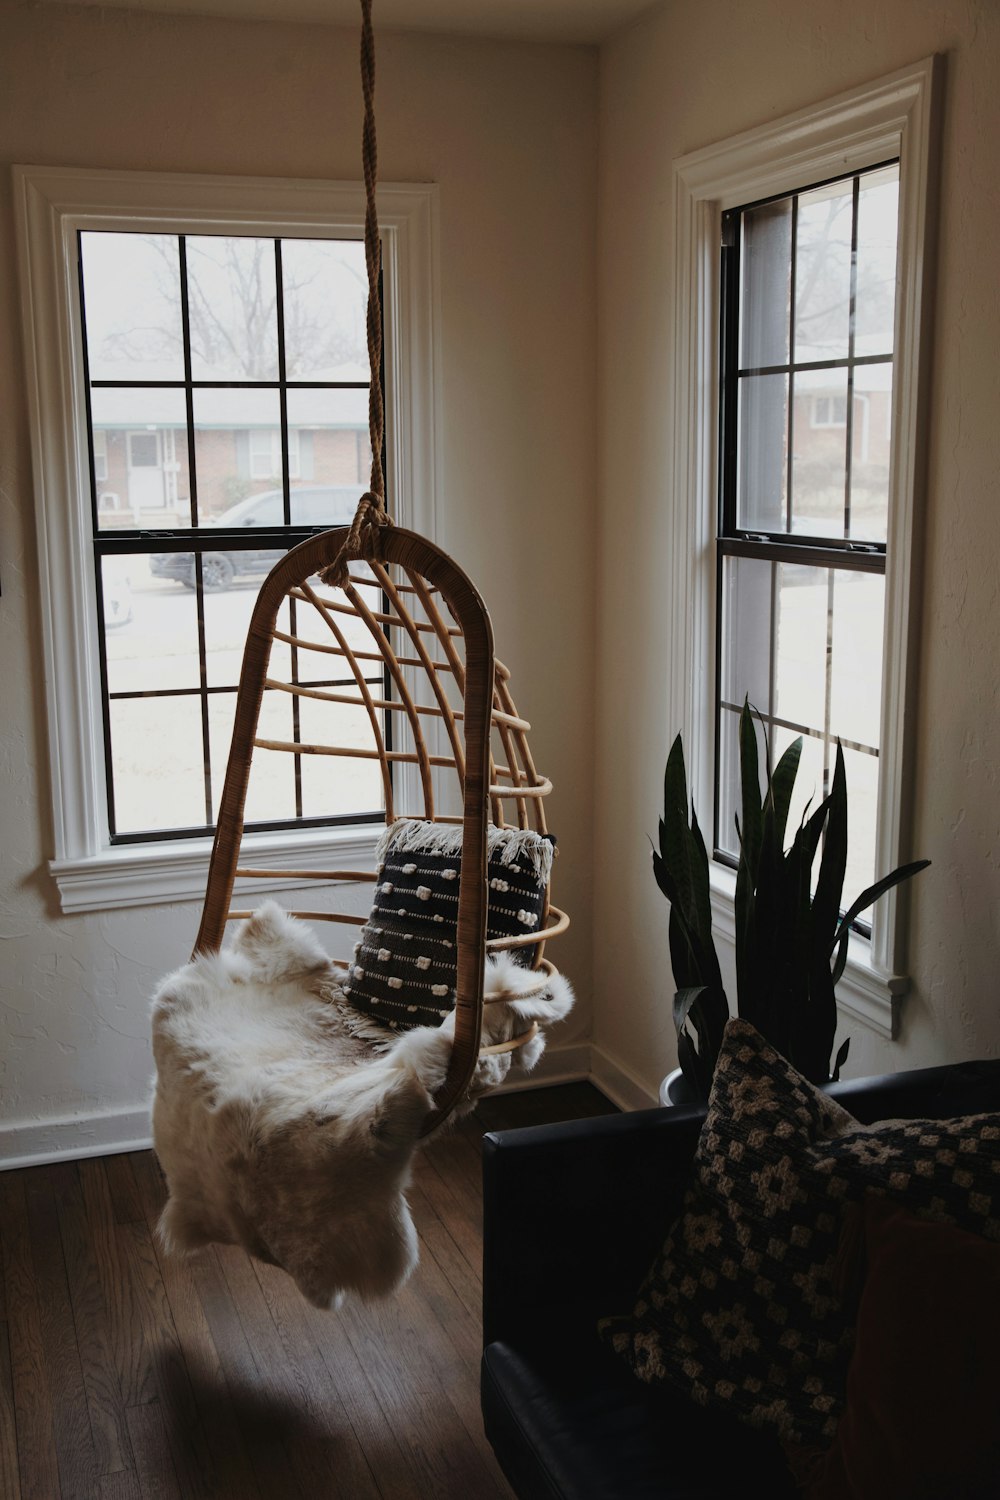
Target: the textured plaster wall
(509, 134)
(688, 75)
(512, 134)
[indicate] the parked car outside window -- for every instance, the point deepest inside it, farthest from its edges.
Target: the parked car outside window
(318, 506)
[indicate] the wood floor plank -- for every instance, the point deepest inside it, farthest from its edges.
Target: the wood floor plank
(327, 1452)
(428, 1387)
(462, 1324)
(150, 1184)
(235, 1476)
(130, 1351)
(183, 1426)
(36, 1460)
(74, 1440)
(457, 1157)
(438, 1448)
(457, 1361)
(93, 1327)
(122, 1186)
(121, 1486)
(259, 1410)
(157, 1478)
(464, 1276)
(457, 1205)
(305, 1324)
(10, 1484)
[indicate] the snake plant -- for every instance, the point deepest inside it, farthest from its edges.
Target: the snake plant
(791, 934)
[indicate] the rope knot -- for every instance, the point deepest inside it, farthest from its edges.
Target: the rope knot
(363, 541)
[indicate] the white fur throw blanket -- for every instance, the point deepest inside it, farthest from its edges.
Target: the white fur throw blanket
(286, 1124)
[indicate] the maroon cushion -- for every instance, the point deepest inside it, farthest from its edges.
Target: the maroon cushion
(922, 1420)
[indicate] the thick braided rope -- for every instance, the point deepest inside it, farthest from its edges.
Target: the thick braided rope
(363, 537)
(373, 252)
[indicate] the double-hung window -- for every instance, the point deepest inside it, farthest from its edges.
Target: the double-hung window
(197, 360)
(803, 264)
(808, 291)
(211, 362)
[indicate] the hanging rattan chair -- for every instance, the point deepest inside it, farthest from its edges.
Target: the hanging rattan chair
(406, 624)
(436, 632)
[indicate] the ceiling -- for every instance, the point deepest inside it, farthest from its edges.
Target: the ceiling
(579, 21)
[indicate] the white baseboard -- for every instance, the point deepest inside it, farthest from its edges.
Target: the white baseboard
(34, 1143)
(618, 1082)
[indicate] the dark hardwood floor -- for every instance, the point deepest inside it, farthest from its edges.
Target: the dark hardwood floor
(125, 1375)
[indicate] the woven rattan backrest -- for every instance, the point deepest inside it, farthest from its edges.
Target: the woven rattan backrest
(445, 718)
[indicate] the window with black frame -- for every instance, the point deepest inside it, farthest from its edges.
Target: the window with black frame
(227, 409)
(808, 295)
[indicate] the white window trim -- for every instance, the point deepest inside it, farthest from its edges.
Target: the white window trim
(52, 205)
(895, 116)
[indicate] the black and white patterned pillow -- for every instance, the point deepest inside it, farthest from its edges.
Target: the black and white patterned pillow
(741, 1307)
(404, 968)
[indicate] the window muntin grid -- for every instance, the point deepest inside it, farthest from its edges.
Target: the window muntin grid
(807, 349)
(172, 514)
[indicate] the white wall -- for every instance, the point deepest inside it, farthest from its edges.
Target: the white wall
(509, 133)
(686, 76)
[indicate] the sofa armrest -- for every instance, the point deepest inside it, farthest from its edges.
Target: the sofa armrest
(574, 1213)
(936, 1093)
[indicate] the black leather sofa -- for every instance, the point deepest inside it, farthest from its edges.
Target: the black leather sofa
(573, 1215)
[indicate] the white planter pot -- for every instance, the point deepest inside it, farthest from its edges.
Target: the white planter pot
(675, 1089)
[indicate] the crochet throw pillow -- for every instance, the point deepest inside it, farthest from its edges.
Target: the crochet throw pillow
(404, 968)
(741, 1306)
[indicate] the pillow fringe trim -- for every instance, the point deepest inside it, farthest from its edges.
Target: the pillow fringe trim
(413, 835)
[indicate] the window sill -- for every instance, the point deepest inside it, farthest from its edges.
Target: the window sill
(864, 993)
(154, 874)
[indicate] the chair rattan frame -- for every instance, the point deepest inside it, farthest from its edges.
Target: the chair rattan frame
(470, 699)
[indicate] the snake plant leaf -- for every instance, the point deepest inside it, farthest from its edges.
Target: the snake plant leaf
(683, 958)
(873, 892)
(756, 973)
(745, 930)
(797, 944)
(696, 1069)
(833, 861)
(703, 907)
(799, 863)
(840, 1060)
(706, 1008)
(867, 897)
(675, 836)
(816, 1016)
(692, 951)
(781, 784)
(683, 1001)
(812, 830)
(681, 869)
(696, 972)
(750, 833)
(663, 877)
